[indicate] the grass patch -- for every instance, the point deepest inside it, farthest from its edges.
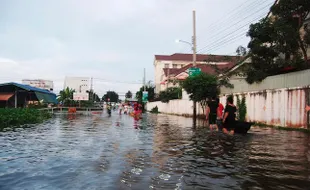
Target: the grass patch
(22, 116)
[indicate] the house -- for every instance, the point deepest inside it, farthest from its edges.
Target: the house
(176, 65)
(20, 95)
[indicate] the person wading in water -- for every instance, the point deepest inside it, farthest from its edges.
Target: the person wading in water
(220, 110)
(229, 119)
(211, 112)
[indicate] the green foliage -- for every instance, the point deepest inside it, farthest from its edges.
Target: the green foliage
(276, 41)
(241, 105)
(66, 96)
(93, 97)
(128, 94)
(241, 51)
(16, 117)
(113, 96)
(171, 93)
(151, 93)
(201, 87)
(154, 110)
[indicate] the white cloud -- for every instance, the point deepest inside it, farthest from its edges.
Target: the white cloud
(110, 39)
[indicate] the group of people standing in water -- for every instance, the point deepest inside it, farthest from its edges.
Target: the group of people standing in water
(134, 109)
(220, 117)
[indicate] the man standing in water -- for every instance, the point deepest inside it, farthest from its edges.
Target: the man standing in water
(211, 112)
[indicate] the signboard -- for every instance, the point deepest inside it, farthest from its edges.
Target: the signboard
(193, 71)
(144, 96)
(80, 96)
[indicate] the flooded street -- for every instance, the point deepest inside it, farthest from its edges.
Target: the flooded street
(157, 152)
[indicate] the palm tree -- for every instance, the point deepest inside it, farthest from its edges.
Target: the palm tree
(65, 95)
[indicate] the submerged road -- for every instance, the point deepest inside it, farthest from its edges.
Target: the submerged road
(157, 152)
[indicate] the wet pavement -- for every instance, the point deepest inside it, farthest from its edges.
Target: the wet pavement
(157, 152)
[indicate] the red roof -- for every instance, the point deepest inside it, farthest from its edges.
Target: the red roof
(199, 57)
(171, 70)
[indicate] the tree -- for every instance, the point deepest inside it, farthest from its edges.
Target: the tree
(201, 87)
(151, 93)
(128, 94)
(241, 51)
(277, 41)
(171, 93)
(66, 96)
(110, 96)
(93, 97)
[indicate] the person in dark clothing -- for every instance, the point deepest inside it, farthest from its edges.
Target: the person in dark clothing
(212, 112)
(229, 119)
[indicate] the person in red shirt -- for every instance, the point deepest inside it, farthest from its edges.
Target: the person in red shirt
(220, 110)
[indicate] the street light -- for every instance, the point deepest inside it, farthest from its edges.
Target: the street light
(193, 45)
(182, 41)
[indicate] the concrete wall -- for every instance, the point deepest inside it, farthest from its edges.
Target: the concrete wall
(178, 107)
(278, 100)
(289, 80)
(281, 107)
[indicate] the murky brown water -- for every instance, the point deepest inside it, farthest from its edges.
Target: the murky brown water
(157, 152)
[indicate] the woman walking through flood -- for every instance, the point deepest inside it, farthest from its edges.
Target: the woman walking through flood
(229, 119)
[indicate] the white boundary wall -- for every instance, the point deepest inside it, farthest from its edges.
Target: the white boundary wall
(183, 106)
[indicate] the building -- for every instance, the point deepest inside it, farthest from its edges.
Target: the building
(79, 84)
(14, 95)
(170, 65)
(39, 83)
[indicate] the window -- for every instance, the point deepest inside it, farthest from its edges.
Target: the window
(174, 65)
(167, 65)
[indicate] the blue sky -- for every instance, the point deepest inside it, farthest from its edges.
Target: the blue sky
(113, 40)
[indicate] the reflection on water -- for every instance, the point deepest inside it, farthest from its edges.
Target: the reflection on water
(156, 152)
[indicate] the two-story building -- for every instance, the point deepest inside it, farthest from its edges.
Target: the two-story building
(177, 65)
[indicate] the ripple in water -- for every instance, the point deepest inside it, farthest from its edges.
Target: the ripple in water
(157, 152)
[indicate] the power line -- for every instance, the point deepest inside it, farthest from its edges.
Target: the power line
(215, 43)
(247, 8)
(225, 42)
(235, 24)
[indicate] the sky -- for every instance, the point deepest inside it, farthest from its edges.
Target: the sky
(114, 40)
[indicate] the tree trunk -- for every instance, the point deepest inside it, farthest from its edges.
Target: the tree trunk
(303, 49)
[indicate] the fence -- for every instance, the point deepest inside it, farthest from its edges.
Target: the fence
(278, 100)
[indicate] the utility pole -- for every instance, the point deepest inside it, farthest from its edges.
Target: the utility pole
(91, 89)
(194, 62)
(91, 83)
(194, 39)
(168, 75)
(144, 80)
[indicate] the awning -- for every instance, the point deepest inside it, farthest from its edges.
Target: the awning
(46, 98)
(5, 97)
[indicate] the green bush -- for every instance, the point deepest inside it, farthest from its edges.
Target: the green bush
(16, 117)
(154, 110)
(170, 94)
(241, 108)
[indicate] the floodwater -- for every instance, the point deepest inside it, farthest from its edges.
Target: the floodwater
(157, 152)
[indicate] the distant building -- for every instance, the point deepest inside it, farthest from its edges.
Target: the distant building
(40, 83)
(79, 84)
